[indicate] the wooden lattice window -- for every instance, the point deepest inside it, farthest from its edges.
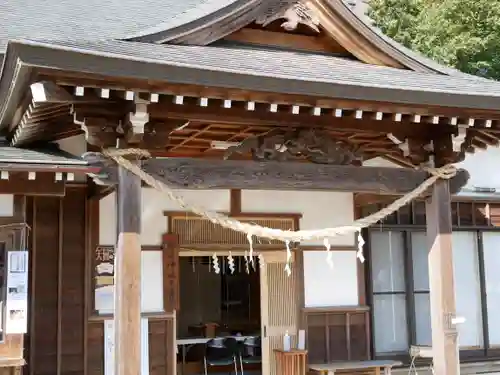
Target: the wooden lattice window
(335, 334)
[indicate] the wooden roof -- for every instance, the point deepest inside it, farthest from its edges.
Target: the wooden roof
(390, 100)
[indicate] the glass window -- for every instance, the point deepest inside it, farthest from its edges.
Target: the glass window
(467, 288)
(491, 246)
(389, 297)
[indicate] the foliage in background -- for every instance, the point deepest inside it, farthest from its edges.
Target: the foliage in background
(464, 34)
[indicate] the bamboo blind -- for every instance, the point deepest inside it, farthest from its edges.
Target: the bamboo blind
(193, 230)
(282, 308)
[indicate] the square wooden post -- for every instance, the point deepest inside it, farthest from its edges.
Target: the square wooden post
(127, 314)
(441, 282)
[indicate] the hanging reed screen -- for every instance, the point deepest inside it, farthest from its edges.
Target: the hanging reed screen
(193, 230)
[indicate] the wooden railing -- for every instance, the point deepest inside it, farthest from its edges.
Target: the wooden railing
(337, 333)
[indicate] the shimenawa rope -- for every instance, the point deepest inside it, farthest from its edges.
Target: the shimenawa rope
(251, 230)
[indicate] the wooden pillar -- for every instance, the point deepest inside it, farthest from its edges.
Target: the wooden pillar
(441, 283)
(128, 276)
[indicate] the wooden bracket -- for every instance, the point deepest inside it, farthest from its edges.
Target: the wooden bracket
(137, 121)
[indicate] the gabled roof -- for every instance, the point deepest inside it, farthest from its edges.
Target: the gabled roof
(198, 22)
(388, 78)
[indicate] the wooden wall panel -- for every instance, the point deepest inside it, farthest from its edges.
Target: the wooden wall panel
(58, 307)
(337, 334)
(72, 287)
(95, 348)
(44, 355)
(158, 350)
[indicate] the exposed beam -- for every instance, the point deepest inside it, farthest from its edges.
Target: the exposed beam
(235, 174)
(258, 117)
(49, 92)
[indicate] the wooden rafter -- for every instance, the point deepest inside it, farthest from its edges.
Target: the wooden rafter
(236, 120)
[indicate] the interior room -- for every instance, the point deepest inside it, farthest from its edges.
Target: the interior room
(219, 320)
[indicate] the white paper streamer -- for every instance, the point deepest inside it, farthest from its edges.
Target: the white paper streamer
(329, 254)
(215, 263)
(288, 268)
(250, 242)
(247, 265)
(361, 243)
(261, 260)
(230, 263)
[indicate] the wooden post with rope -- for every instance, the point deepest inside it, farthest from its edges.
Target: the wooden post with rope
(128, 275)
(128, 353)
(441, 282)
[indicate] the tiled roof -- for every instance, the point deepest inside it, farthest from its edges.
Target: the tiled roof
(96, 19)
(285, 66)
(40, 156)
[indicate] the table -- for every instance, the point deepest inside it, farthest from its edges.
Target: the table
(336, 367)
(204, 340)
(187, 342)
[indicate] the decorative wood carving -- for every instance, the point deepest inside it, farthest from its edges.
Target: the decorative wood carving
(99, 131)
(314, 145)
(295, 12)
(236, 174)
(156, 133)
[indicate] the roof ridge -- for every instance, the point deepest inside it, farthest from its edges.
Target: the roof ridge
(195, 19)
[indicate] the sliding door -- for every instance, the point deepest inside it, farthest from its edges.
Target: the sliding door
(279, 305)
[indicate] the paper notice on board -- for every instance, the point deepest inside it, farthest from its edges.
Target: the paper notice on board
(17, 292)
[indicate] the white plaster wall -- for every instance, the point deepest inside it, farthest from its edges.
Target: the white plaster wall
(327, 286)
(74, 145)
(77, 146)
(319, 209)
(154, 203)
(483, 166)
(484, 169)
(6, 205)
(380, 162)
(324, 286)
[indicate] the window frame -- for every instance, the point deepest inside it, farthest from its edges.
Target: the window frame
(414, 224)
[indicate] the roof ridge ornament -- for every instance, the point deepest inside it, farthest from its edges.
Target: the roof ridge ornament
(295, 12)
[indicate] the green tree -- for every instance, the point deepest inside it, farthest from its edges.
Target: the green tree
(464, 34)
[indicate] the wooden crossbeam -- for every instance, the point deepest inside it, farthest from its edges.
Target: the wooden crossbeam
(44, 185)
(189, 173)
